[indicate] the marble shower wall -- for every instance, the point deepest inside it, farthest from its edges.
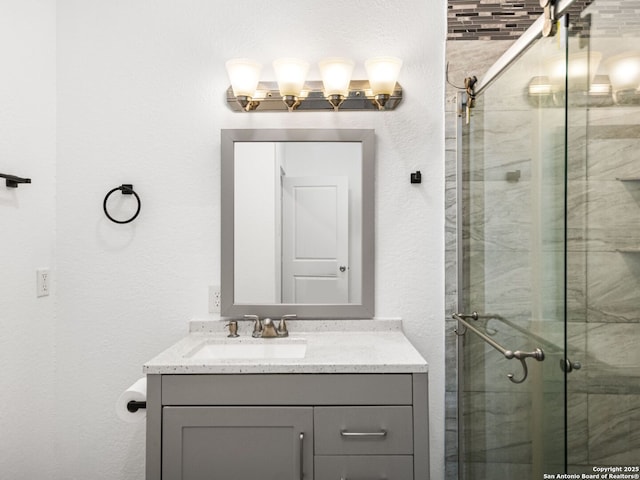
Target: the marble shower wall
(603, 253)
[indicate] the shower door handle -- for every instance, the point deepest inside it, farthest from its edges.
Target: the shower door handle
(537, 354)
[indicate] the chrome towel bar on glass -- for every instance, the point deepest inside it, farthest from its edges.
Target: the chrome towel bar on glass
(538, 354)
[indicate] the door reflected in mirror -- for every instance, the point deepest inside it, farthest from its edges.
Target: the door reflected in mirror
(297, 223)
(297, 220)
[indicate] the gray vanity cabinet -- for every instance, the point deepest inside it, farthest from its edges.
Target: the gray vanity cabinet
(287, 426)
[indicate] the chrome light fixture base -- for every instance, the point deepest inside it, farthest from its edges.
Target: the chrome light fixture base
(335, 101)
(291, 101)
(247, 103)
(381, 100)
(359, 99)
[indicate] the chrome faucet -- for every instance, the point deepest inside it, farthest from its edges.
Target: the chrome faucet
(267, 329)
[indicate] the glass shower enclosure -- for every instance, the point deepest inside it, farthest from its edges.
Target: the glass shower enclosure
(549, 255)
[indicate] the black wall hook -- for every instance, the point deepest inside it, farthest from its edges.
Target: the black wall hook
(416, 177)
(126, 189)
(12, 181)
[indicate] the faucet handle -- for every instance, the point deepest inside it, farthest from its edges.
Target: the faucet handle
(282, 326)
(257, 326)
(233, 329)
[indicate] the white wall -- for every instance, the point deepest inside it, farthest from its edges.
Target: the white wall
(256, 204)
(141, 87)
(27, 229)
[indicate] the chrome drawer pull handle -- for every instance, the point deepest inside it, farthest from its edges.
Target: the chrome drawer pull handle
(381, 433)
(345, 478)
(301, 455)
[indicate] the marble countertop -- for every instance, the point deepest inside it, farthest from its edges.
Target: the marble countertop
(335, 346)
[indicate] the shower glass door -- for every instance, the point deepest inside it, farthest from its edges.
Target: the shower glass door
(513, 274)
(603, 237)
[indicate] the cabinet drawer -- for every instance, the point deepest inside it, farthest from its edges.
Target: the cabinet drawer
(363, 430)
(286, 389)
(358, 467)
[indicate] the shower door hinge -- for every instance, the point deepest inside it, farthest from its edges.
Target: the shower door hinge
(549, 28)
(469, 97)
(568, 366)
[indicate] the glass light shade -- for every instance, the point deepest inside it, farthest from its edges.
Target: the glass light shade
(581, 68)
(244, 75)
(336, 75)
(624, 71)
(540, 86)
(290, 74)
(601, 85)
(383, 73)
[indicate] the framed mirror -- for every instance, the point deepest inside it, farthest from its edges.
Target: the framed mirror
(297, 223)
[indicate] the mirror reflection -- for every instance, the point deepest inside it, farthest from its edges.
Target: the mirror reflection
(297, 223)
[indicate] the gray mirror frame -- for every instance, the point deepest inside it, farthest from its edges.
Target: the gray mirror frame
(365, 309)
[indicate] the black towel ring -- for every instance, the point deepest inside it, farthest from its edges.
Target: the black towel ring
(127, 189)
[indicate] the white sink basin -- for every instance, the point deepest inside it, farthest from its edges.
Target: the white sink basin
(249, 349)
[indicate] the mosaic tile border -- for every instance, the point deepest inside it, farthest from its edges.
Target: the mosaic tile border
(494, 19)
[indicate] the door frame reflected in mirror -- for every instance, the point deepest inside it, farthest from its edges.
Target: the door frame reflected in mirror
(365, 307)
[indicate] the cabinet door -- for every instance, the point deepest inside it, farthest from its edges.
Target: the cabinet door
(237, 443)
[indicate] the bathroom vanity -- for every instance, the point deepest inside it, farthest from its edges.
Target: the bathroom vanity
(336, 400)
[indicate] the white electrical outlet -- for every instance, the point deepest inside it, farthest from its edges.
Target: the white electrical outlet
(42, 282)
(214, 299)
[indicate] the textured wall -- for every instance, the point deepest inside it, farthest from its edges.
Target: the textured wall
(27, 225)
(141, 99)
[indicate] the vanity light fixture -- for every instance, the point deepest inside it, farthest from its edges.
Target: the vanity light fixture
(541, 93)
(578, 74)
(600, 92)
(624, 72)
(540, 86)
(601, 85)
(293, 92)
(578, 69)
